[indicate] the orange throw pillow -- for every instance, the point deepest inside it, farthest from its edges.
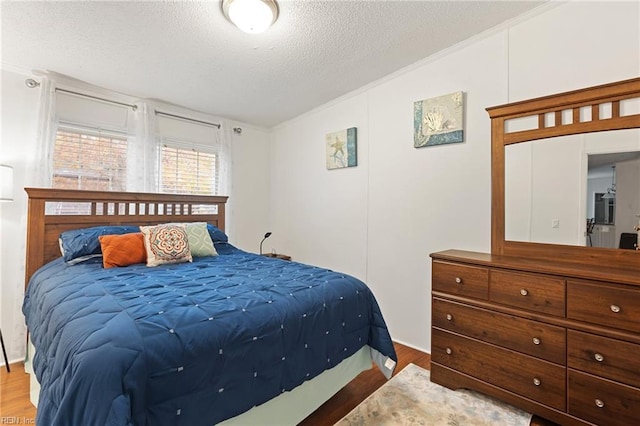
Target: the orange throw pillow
(122, 250)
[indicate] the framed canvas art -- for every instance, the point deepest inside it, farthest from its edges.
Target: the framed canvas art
(438, 121)
(342, 149)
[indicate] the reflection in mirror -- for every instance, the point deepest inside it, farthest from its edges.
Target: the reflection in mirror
(576, 190)
(603, 209)
(604, 193)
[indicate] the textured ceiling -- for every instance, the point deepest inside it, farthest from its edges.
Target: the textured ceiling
(188, 54)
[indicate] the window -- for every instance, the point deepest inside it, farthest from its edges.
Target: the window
(91, 144)
(108, 145)
(189, 156)
(186, 170)
(89, 159)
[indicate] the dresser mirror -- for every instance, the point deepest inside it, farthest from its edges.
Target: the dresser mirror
(544, 151)
(579, 190)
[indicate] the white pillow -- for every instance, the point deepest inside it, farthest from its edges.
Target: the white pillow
(167, 243)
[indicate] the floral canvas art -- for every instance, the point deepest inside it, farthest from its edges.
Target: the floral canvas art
(342, 149)
(438, 121)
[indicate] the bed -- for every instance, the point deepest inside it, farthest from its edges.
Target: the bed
(235, 338)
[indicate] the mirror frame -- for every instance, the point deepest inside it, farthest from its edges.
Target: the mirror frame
(569, 103)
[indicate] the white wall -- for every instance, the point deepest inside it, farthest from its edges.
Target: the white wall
(381, 219)
(417, 195)
(545, 177)
(321, 213)
(249, 201)
(248, 210)
(518, 176)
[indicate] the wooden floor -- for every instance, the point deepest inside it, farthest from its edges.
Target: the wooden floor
(15, 404)
(14, 396)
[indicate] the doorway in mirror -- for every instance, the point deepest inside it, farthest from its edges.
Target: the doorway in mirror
(613, 195)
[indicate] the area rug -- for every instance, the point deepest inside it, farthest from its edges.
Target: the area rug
(410, 398)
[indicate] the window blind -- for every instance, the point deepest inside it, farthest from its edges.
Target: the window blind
(91, 159)
(92, 113)
(188, 169)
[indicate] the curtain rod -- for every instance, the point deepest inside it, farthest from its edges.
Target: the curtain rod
(179, 117)
(109, 101)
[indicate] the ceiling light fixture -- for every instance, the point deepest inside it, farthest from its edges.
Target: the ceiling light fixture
(251, 16)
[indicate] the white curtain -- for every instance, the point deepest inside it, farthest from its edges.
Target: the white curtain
(37, 173)
(47, 119)
(226, 163)
(224, 141)
(143, 149)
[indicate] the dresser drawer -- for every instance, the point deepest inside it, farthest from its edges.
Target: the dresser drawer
(602, 304)
(534, 292)
(462, 280)
(530, 377)
(602, 401)
(522, 335)
(610, 358)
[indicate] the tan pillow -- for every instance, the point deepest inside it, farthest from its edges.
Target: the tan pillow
(166, 243)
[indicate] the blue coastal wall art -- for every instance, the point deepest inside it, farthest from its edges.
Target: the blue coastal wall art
(342, 149)
(438, 121)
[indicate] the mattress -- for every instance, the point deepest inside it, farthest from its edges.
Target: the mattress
(193, 343)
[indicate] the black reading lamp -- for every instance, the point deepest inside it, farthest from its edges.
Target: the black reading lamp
(267, 235)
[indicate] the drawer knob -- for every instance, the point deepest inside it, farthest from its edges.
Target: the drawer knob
(448, 351)
(524, 292)
(449, 317)
(599, 403)
(615, 308)
(458, 280)
(598, 357)
(536, 341)
(536, 381)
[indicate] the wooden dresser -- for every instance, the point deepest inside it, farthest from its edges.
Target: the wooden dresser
(544, 322)
(557, 339)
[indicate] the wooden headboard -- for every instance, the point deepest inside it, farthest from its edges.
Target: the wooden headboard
(52, 211)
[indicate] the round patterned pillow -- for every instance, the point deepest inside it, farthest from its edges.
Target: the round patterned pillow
(166, 244)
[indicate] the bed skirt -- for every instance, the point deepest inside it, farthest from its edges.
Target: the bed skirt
(290, 408)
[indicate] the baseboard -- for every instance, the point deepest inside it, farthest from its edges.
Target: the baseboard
(13, 362)
(412, 346)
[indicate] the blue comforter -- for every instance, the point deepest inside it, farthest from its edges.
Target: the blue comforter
(193, 343)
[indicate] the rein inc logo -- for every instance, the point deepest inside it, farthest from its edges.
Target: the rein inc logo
(6, 420)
